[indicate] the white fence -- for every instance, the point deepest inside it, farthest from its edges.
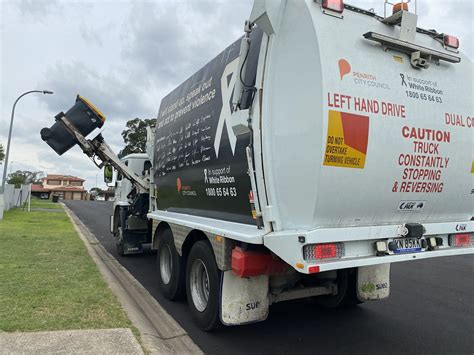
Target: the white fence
(12, 197)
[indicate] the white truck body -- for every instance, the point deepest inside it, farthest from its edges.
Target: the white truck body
(362, 142)
(351, 142)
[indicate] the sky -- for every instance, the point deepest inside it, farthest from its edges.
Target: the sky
(124, 56)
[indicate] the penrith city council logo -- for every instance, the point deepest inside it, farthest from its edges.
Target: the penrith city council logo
(344, 68)
(360, 78)
(184, 190)
(178, 185)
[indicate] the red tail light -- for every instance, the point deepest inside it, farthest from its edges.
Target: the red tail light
(460, 240)
(323, 251)
(334, 5)
(451, 41)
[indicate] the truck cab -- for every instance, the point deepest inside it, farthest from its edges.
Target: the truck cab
(129, 222)
(138, 164)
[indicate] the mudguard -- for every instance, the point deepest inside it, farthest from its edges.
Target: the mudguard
(243, 300)
(373, 282)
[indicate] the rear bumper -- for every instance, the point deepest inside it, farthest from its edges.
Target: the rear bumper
(359, 245)
(376, 260)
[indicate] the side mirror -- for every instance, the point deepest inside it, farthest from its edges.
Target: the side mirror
(108, 174)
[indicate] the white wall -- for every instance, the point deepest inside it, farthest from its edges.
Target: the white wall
(13, 197)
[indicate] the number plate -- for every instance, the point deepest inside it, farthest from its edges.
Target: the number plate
(408, 245)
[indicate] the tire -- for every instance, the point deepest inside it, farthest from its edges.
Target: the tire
(203, 286)
(346, 292)
(118, 237)
(171, 268)
(120, 249)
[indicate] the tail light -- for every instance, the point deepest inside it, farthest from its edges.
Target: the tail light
(334, 5)
(460, 240)
(451, 41)
(323, 251)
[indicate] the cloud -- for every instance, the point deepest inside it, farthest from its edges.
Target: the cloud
(92, 35)
(39, 10)
(114, 95)
(169, 41)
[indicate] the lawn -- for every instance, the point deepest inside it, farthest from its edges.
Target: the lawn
(48, 281)
(37, 203)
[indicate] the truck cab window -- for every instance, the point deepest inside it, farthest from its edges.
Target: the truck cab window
(146, 167)
(119, 174)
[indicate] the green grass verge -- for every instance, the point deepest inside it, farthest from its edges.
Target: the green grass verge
(37, 203)
(48, 280)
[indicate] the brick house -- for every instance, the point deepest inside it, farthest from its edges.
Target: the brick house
(66, 187)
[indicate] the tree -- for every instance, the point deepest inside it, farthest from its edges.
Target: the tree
(2, 154)
(134, 136)
(22, 177)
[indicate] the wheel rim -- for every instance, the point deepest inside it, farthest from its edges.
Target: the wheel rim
(165, 264)
(199, 284)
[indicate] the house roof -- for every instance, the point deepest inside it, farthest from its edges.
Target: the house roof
(67, 188)
(62, 177)
(38, 188)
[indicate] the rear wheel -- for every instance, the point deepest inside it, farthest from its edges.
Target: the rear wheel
(346, 291)
(171, 275)
(203, 286)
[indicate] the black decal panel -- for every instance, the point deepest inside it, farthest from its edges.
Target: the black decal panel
(200, 165)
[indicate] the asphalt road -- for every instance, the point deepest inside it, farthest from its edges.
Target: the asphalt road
(430, 310)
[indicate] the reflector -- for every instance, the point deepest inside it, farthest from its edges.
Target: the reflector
(246, 263)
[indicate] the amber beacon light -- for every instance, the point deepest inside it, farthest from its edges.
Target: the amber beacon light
(401, 6)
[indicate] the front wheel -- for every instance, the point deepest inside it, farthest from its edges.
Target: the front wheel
(203, 286)
(118, 235)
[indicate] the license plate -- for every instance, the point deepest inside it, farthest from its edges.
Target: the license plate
(408, 245)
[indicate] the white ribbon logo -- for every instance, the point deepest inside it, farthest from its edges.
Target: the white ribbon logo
(227, 87)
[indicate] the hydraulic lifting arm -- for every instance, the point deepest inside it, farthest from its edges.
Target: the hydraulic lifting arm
(101, 154)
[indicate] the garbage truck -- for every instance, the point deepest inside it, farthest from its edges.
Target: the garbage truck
(321, 147)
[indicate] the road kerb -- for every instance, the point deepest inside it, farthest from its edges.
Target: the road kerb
(159, 332)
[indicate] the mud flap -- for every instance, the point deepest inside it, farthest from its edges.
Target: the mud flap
(135, 248)
(243, 300)
(373, 282)
(132, 242)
